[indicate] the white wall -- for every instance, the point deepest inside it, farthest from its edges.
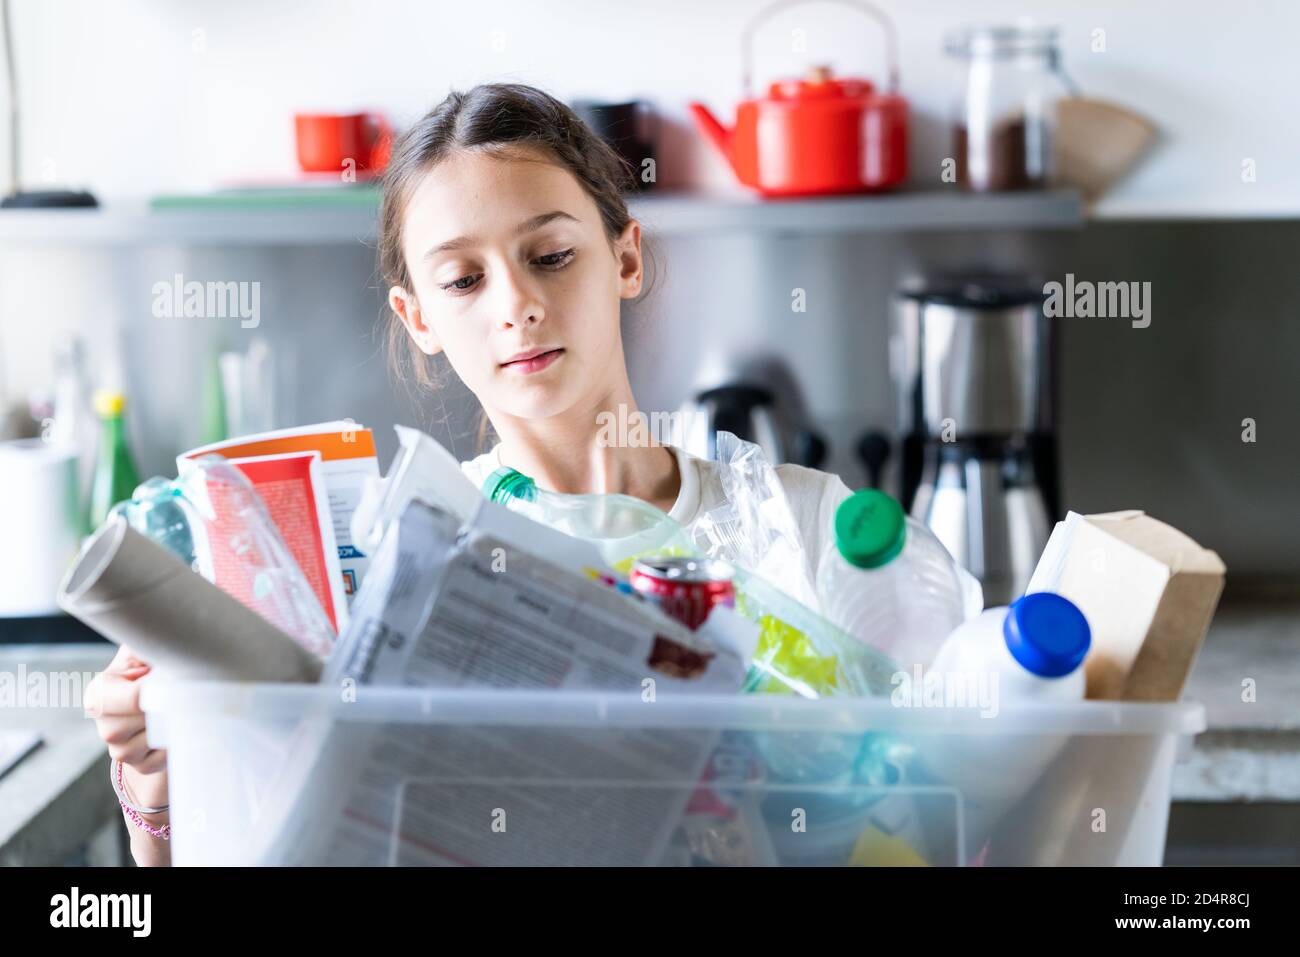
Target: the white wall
(140, 96)
(120, 101)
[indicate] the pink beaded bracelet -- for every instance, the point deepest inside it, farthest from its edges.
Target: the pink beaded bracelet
(133, 815)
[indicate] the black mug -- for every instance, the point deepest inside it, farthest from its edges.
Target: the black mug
(631, 129)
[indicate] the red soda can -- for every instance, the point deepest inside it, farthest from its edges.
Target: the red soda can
(685, 588)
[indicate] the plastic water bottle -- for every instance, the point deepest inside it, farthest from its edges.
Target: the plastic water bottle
(1031, 651)
(890, 583)
(623, 527)
(157, 510)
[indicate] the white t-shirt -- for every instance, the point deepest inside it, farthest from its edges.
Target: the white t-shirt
(813, 496)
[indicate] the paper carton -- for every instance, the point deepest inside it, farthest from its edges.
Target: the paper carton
(1148, 592)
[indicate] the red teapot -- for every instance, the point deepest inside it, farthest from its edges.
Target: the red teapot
(817, 135)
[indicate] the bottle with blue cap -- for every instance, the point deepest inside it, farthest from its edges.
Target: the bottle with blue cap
(1035, 648)
(1031, 652)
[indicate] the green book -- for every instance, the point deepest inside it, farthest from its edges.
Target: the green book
(271, 198)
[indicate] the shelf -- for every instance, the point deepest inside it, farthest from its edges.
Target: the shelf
(115, 226)
(893, 212)
(1227, 208)
(309, 219)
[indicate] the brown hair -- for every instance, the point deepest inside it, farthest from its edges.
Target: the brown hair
(492, 117)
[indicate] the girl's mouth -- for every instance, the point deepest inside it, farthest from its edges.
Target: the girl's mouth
(534, 363)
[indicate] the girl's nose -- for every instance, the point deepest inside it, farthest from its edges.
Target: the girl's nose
(521, 306)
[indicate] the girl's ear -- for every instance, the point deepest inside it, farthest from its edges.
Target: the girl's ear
(407, 308)
(631, 270)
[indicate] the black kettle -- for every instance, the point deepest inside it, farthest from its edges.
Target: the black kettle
(749, 412)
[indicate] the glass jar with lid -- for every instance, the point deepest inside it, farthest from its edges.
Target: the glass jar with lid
(1005, 116)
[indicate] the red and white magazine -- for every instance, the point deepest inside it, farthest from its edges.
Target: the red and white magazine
(310, 479)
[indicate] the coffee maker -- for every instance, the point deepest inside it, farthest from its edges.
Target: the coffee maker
(975, 366)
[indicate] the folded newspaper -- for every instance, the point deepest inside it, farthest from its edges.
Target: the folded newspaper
(496, 602)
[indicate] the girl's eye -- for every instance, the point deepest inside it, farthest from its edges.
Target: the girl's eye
(555, 260)
(462, 285)
(466, 284)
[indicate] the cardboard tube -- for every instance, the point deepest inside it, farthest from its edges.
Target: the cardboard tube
(136, 593)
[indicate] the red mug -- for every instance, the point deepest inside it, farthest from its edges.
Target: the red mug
(327, 141)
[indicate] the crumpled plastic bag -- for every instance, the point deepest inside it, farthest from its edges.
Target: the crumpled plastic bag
(798, 651)
(754, 527)
(214, 520)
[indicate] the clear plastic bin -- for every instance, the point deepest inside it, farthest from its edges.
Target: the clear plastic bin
(292, 774)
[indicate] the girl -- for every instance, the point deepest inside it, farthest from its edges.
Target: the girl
(507, 246)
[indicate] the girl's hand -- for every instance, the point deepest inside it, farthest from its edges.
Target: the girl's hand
(113, 700)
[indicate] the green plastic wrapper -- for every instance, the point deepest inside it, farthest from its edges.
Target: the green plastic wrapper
(800, 652)
(787, 662)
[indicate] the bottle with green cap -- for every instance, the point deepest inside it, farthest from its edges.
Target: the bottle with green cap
(888, 582)
(115, 473)
(623, 527)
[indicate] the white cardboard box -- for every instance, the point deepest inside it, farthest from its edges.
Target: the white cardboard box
(1148, 592)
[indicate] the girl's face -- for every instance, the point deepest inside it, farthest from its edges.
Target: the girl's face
(516, 280)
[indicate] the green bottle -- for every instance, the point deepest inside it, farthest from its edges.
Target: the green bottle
(115, 473)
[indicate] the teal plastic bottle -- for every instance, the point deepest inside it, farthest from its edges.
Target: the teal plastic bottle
(623, 527)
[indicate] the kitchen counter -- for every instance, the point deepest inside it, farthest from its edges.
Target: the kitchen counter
(47, 629)
(57, 799)
(1248, 678)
